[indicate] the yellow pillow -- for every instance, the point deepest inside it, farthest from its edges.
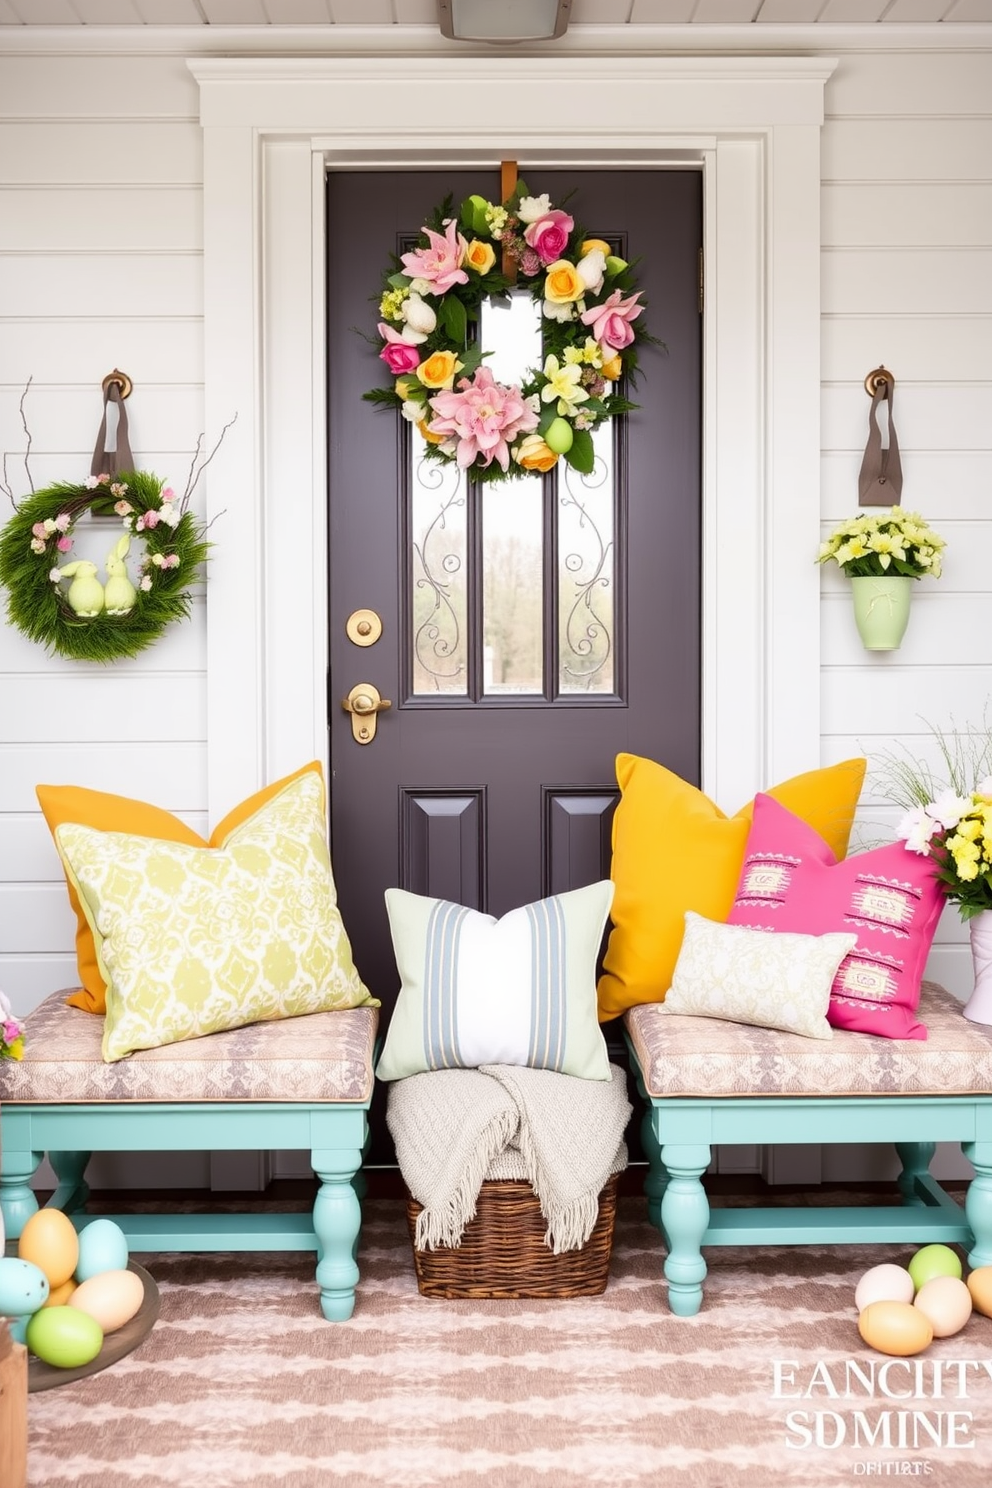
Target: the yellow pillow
(192, 940)
(673, 850)
(108, 813)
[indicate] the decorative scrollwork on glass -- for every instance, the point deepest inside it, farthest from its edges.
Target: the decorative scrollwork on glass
(586, 580)
(438, 580)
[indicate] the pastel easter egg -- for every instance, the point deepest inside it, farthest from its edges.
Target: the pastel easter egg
(980, 1287)
(112, 1298)
(931, 1261)
(102, 1247)
(559, 436)
(23, 1287)
(885, 1283)
(946, 1301)
(50, 1241)
(64, 1336)
(895, 1328)
(59, 1296)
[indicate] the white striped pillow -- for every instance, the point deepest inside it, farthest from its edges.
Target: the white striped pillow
(476, 990)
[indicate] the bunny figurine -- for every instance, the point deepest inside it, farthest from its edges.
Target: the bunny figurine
(85, 592)
(120, 594)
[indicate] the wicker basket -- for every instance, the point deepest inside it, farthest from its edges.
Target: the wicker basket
(503, 1253)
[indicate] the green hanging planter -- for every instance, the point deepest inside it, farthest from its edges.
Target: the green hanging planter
(881, 609)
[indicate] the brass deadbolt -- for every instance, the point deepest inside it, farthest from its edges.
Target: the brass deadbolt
(364, 627)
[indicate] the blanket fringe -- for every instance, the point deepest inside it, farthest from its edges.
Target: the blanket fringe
(445, 1224)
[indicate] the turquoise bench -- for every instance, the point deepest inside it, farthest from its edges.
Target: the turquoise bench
(708, 1082)
(301, 1083)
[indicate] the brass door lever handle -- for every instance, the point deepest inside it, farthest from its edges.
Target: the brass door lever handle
(363, 703)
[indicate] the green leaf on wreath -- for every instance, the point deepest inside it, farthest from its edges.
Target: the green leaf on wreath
(399, 281)
(453, 320)
(582, 455)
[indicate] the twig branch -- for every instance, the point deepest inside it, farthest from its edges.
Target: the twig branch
(5, 485)
(194, 474)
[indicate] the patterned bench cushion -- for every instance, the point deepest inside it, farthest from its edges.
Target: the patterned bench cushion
(707, 1057)
(314, 1058)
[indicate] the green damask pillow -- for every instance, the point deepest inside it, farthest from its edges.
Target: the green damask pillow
(192, 940)
(477, 990)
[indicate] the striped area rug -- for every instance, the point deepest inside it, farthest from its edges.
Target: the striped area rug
(242, 1383)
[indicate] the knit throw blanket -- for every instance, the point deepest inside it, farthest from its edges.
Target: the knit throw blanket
(451, 1127)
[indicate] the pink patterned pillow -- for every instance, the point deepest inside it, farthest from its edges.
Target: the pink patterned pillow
(889, 897)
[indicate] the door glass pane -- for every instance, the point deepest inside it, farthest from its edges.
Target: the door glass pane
(440, 572)
(512, 520)
(513, 588)
(586, 588)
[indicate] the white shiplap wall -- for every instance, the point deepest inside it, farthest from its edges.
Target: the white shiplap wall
(100, 267)
(100, 235)
(907, 281)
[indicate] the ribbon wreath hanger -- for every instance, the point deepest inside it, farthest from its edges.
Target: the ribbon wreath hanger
(116, 387)
(880, 481)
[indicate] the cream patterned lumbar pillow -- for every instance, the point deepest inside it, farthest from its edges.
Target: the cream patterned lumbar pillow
(760, 977)
(477, 990)
(193, 940)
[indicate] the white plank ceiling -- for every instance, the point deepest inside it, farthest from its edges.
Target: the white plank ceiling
(424, 12)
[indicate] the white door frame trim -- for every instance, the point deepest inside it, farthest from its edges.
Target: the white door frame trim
(272, 126)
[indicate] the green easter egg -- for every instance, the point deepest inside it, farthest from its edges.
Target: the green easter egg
(64, 1336)
(615, 266)
(931, 1261)
(559, 436)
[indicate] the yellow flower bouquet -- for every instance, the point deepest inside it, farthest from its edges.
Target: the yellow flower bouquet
(893, 542)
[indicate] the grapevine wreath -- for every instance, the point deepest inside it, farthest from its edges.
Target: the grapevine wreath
(59, 601)
(442, 385)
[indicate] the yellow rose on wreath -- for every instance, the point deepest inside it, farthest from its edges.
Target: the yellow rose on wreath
(563, 285)
(424, 428)
(438, 371)
(534, 454)
(480, 256)
(612, 369)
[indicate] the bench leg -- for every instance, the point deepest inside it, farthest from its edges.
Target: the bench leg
(916, 1158)
(73, 1190)
(657, 1180)
(978, 1202)
(17, 1199)
(337, 1220)
(685, 1216)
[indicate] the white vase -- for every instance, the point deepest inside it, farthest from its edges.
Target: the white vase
(978, 1008)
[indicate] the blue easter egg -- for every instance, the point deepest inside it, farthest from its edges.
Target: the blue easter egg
(102, 1247)
(23, 1287)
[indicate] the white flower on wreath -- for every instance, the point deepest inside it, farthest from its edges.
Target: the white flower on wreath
(592, 269)
(551, 311)
(533, 208)
(420, 319)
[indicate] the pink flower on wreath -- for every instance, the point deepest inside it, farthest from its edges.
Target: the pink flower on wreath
(399, 355)
(150, 519)
(440, 264)
(39, 531)
(484, 417)
(64, 544)
(610, 321)
(548, 236)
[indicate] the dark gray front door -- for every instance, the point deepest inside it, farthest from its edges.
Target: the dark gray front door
(529, 635)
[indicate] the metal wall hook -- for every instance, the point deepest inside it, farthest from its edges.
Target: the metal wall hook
(877, 376)
(122, 380)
